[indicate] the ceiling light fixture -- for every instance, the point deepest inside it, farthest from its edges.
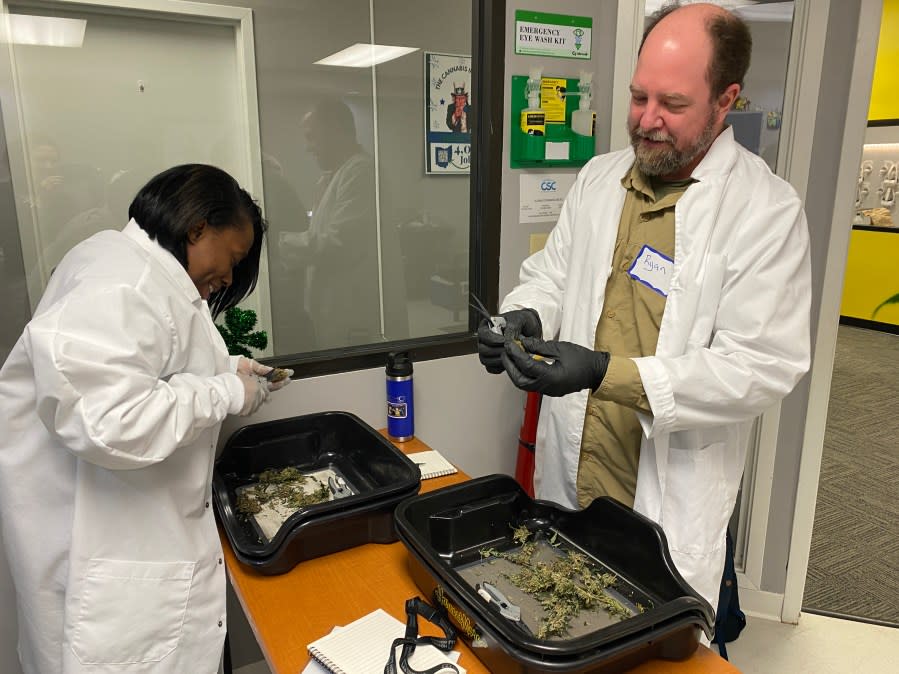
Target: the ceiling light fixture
(362, 55)
(44, 31)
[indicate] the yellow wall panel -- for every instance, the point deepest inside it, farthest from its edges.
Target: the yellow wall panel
(885, 90)
(871, 276)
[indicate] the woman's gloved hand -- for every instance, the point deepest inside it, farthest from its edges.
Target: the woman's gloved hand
(519, 322)
(573, 367)
(255, 392)
(249, 366)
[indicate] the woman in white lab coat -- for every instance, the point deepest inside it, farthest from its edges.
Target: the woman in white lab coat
(112, 401)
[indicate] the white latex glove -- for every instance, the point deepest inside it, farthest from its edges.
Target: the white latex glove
(251, 367)
(255, 392)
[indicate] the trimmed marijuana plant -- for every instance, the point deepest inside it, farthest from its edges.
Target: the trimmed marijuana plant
(563, 588)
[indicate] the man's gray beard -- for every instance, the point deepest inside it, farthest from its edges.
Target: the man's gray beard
(668, 160)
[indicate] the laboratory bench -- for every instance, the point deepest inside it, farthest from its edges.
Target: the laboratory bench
(288, 611)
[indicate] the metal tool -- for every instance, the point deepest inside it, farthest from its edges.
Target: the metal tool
(338, 486)
(497, 323)
(492, 594)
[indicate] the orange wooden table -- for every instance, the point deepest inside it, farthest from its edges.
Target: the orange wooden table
(288, 611)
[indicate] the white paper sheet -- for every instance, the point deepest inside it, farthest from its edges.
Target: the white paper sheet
(542, 194)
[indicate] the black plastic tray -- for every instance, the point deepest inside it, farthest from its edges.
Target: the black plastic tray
(380, 474)
(446, 529)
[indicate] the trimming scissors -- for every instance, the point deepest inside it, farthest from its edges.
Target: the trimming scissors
(492, 594)
(496, 323)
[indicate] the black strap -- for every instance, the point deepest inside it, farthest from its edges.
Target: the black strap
(416, 607)
(729, 619)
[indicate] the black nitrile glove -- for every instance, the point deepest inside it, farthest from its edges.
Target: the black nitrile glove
(519, 322)
(573, 367)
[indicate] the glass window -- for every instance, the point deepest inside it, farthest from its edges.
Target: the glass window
(369, 214)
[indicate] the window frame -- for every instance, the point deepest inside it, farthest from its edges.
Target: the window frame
(488, 71)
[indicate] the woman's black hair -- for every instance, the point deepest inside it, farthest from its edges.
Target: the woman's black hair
(175, 201)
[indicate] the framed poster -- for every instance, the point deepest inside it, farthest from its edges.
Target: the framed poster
(448, 116)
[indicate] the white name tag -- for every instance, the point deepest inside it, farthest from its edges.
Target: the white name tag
(652, 269)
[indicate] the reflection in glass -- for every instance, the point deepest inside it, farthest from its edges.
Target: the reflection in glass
(334, 262)
(383, 253)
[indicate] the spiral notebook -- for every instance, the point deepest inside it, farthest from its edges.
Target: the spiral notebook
(432, 464)
(363, 646)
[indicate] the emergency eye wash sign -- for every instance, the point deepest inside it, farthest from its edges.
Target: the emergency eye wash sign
(542, 34)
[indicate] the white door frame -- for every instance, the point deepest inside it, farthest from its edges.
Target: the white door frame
(240, 18)
(828, 322)
(628, 34)
(804, 70)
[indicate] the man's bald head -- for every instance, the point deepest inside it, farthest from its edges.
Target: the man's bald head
(681, 91)
(728, 37)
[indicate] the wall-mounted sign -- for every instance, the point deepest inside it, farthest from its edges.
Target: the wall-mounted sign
(448, 117)
(541, 195)
(542, 34)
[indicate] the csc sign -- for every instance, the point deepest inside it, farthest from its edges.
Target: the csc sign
(548, 186)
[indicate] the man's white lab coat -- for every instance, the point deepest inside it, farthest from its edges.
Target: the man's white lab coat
(734, 338)
(111, 403)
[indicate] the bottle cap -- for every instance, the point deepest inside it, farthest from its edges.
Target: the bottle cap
(398, 364)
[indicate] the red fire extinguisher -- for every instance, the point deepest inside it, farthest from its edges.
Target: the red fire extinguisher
(527, 438)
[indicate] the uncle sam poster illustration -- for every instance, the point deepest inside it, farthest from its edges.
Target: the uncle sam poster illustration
(448, 113)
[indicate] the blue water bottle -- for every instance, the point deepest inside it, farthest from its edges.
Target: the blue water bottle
(400, 418)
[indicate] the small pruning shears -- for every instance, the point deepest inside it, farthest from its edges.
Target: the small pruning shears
(492, 594)
(496, 323)
(338, 486)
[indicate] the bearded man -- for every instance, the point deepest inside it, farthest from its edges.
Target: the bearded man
(671, 302)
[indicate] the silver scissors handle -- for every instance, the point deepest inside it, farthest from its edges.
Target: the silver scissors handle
(506, 608)
(497, 323)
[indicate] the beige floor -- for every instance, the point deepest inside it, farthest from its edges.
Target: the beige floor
(817, 645)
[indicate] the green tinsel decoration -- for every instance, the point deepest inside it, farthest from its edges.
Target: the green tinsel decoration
(237, 332)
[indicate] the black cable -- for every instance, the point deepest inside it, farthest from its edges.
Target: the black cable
(416, 607)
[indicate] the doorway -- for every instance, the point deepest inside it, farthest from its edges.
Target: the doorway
(852, 570)
(854, 555)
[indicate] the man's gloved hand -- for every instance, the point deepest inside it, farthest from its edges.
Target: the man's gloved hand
(255, 392)
(519, 322)
(249, 366)
(573, 367)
